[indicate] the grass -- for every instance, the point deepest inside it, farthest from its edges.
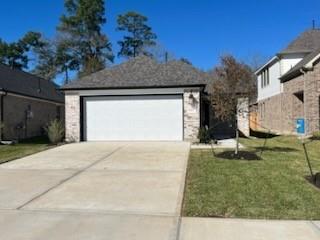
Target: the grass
(265, 183)
(22, 149)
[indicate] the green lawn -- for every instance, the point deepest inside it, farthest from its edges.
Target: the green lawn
(27, 147)
(273, 187)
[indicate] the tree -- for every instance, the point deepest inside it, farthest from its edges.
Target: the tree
(17, 54)
(88, 48)
(230, 81)
(185, 60)
(55, 58)
(159, 53)
(138, 35)
(255, 61)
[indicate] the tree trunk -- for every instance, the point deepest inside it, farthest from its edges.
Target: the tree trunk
(66, 76)
(237, 142)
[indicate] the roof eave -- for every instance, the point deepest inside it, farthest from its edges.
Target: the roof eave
(271, 61)
(130, 87)
(305, 68)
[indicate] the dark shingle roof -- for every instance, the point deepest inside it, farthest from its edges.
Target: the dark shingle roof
(20, 82)
(142, 72)
(308, 41)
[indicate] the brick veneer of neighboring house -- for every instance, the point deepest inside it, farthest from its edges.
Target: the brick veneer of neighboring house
(27, 104)
(18, 125)
(299, 99)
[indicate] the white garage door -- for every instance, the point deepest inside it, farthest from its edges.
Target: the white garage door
(146, 117)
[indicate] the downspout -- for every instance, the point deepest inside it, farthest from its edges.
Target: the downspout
(304, 72)
(281, 95)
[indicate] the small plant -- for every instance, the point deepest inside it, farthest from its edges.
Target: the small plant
(316, 135)
(55, 131)
(204, 135)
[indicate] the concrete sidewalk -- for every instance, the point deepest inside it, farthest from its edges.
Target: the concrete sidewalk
(240, 229)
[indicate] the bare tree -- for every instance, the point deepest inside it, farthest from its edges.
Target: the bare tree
(229, 81)
(159, 52)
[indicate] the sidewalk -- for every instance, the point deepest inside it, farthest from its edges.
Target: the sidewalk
(238, 229)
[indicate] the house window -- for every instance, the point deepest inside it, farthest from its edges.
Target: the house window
(265, 79)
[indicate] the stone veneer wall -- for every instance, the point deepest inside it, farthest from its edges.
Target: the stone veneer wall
(243, 116)
(191, 115)
(72, 101)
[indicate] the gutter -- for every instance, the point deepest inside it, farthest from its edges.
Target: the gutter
(132, 87)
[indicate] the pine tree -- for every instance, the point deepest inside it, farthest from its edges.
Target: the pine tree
(84, 41)
(138, 35)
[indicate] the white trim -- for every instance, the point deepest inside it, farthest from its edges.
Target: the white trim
(139, 91)
(311, 62)
(267, 64)
(33, 98)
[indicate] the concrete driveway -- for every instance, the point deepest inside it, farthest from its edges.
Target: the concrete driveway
(94, 191)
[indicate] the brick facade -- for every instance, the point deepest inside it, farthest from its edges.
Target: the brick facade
(25, 117)
(299, 99)
(191, 116)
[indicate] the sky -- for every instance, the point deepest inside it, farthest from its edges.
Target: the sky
(199, 30)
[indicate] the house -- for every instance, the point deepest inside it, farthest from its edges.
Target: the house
(289, 87)
(27, 104)
(140, 99)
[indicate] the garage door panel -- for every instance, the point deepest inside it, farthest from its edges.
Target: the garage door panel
(157, 117)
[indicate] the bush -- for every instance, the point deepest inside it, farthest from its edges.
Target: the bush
(316, 135)
(55, 131)
(204, 135)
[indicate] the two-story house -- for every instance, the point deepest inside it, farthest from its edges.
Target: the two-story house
(289, 86)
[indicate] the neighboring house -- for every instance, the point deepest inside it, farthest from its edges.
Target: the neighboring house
(137, 100)
(289, 87)
(27, 103)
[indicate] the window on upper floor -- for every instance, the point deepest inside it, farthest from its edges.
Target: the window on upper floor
(265, 79)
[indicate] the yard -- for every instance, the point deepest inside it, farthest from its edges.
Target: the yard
(271, 185)
(24, 148)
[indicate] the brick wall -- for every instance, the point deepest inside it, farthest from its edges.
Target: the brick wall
(191, 115)
(18, 125)
(72, 106)
(300, 99)
(312, 98)
(269, 114)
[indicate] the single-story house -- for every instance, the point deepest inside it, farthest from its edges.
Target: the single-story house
(138, 100)
(27, 104)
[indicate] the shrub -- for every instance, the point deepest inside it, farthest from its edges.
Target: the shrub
(55, 131)
(316, 135)
(204, 135)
